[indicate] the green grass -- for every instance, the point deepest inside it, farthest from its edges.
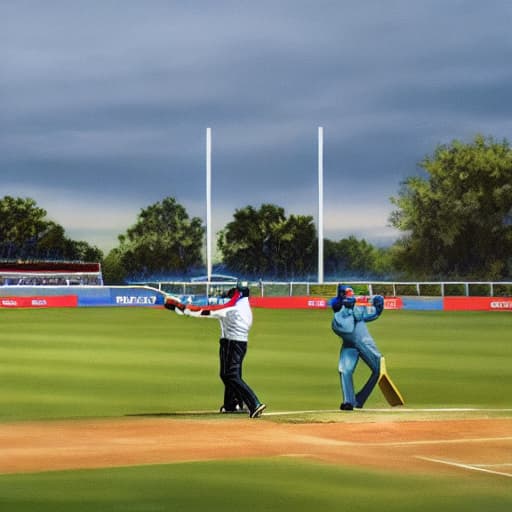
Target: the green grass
(61, 363)
(65, 363)
(257, 485)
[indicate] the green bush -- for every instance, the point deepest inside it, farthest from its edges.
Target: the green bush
(454, 289)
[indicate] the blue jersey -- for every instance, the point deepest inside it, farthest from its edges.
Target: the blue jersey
(350, 323)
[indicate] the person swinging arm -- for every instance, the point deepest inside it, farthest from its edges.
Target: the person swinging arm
(349, 323)
(235, 318)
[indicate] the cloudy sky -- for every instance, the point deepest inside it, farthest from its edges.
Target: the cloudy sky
(104, 104)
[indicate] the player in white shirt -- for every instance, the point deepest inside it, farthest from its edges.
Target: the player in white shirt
(235, 319)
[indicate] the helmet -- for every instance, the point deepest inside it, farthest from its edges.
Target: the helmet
(243, 288)
(345, 291)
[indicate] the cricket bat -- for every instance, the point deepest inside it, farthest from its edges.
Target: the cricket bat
(387, 386)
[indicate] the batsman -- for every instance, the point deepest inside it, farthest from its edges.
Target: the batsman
(349, 323)
(235, 317)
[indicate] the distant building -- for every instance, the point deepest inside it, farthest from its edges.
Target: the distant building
(50, 273)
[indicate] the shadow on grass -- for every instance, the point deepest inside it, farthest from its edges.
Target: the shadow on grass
(174, 414)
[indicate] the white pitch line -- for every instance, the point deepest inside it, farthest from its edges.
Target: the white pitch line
(447, 409)
(464, 466)
(288, 413)
(393, 410)
(493, 465)
(390, 410)
(441, 441)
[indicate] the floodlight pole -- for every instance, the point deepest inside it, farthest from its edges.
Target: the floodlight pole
(208, 206)
(320, 204)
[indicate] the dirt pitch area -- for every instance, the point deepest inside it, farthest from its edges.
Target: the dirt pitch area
(463, 446)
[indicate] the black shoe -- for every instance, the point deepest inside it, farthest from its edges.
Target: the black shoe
(257, 412)
(346, 406)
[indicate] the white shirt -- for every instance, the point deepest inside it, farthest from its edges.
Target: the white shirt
(235, 320)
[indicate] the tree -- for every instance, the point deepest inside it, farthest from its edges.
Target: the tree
(163, 240)
(22, 225)
(112, 268)
(84, 252)
(25, 233)
(353, 257)
(54, 244)
(458, 220)
(266, 243)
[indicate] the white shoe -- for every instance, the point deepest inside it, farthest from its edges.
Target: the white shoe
(237, 409)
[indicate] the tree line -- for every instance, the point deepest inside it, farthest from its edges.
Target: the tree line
(455, 219)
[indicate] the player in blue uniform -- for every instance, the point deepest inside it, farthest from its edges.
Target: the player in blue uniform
(349, 323)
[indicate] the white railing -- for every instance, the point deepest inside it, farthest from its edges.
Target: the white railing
(370, 287)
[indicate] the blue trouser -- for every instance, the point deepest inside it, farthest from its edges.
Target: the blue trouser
(349, 357)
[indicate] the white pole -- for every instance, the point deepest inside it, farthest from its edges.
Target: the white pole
(320, 204)
(208, 205)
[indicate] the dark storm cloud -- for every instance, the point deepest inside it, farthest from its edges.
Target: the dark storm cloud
(108, 102)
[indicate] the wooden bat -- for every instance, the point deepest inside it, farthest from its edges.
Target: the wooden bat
(387, 386)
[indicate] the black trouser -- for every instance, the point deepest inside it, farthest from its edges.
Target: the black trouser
(236, 391)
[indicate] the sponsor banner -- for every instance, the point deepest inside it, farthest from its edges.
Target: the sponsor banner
(312, 302)
(58, 301)
(393, 303)
(478, 304)
(289, 302)
(501, 305)
(78, 296)
(135, 297)
(94, 300)
(423, 303)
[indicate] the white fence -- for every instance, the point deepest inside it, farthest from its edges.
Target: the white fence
(328, 289)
